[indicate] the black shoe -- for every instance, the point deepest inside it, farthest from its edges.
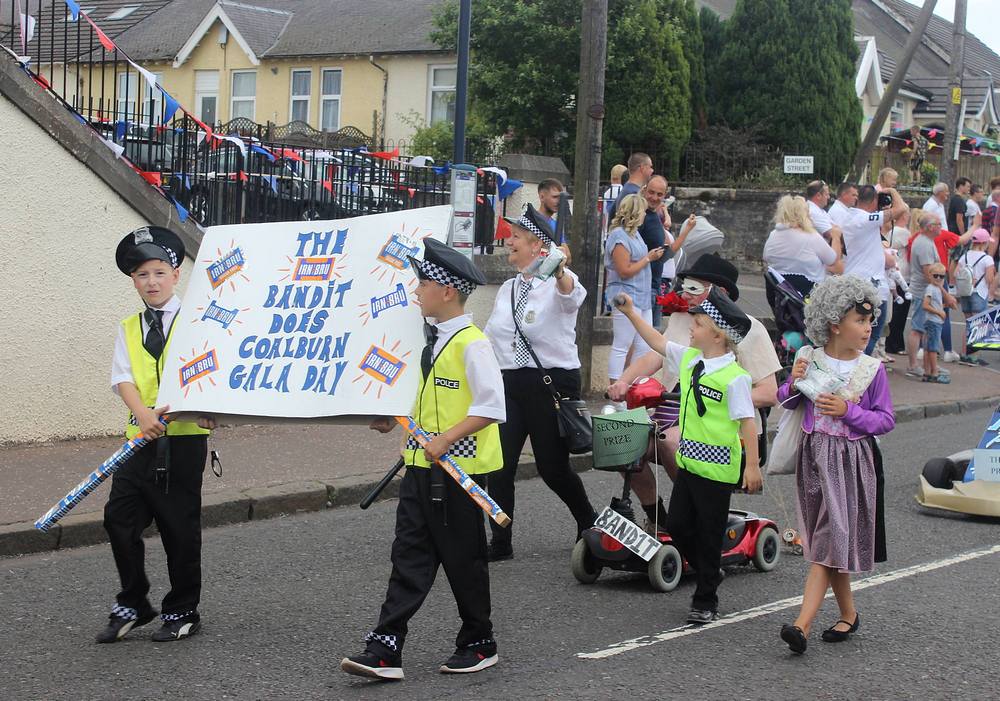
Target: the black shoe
(832, 635)
(795, 638)
(178, 628)
(700, 617)
(499, 551)
(473, 658)
(122, 620)
(387, 667)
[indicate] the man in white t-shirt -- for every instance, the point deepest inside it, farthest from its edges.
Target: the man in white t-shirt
(847, 199)
(866, 257)
(935, 203)
(818, 195)
(973, 208)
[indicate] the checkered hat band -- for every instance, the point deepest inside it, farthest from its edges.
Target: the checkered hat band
(715, 316)
(526, 223)
(435, 272)
(462, 448)
(703, 452)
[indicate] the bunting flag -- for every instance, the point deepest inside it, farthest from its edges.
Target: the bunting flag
(170, 106)
(264, 152)
(182, 212)
(238, 142)
(385, 155)
(101, 36)
(272, 180)
(121, 128)
(117, 148)
(184, 178)
(932, 133)
(152, 177)
(328, 186)
(74, 9)
(411, 191)
(27, 31)
(442, 170)
(288, 153)
(503, 229)
(242, 176)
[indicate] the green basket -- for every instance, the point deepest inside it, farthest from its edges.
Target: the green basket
(620, 438)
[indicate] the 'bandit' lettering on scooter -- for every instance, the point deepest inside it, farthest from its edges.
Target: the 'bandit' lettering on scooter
(615, 525)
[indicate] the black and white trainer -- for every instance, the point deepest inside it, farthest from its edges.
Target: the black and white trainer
(471, 658)
(700, 617)
(177, 627)
(384, 667)
(122, 620)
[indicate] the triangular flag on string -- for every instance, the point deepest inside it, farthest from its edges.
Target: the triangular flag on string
(185, 180)
(288, 153)
(118, 149)
(264, 152)
(170, 106)
(101, 36)
(182, 213)
(909, 141)
(271, 180)
(152, 177)
(509, 187)
(120, 129)
(386, 155)
(27, 30)
(442, 170)
(411, 191)
(238, 142)
(328, 186)
(932, 133)
(503, 229)
(74, 9)
(242, 176)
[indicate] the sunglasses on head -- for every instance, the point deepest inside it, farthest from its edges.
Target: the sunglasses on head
(937, 276)
(694, 288)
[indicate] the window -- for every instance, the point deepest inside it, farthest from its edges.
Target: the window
(330, 112)
(442, 94)
(896, 115)
(206, 95)
(150, 101)
(244, 100)
(122, 12)
(301, 94)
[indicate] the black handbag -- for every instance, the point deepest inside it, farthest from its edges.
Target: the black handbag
(573, 415)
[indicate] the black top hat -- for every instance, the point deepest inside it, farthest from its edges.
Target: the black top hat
(149, 243)
(713, 268)
(726, 315)
(534, 222)
(445, 265)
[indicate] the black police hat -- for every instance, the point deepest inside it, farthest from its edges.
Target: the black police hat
(534, 222)
(715, 269)
(445, 265)
(726, 315)
(149, 243)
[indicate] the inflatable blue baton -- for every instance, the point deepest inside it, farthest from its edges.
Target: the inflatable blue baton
(94, 480)
(475, 492)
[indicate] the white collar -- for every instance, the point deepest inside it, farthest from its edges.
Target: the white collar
(171, 306)
(454, 324)
(713, 364)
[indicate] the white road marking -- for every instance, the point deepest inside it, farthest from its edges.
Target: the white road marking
(780, 605)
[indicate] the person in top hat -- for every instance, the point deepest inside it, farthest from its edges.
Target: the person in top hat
(459, 403)
(162, 481)
(716, 416)
(754, 353)
(533, 331)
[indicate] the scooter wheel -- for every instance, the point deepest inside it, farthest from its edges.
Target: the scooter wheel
(940, 472)
(584, 565)
(665, 568)
(767, 551)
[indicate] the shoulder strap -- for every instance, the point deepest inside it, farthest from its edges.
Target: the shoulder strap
(976, 283)
(546, 378)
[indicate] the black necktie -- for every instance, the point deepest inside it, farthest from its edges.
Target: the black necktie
(154, 340)
(427, 357)
(699, 401)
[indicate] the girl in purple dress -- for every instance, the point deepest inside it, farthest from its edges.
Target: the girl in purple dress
(836, 474)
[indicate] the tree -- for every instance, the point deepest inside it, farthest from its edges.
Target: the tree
(689, 25)
(713, 39)
(789, 65)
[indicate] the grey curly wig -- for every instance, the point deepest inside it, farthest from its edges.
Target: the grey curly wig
(831, 299)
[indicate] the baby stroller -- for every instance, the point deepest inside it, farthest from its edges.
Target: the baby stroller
(789, 308)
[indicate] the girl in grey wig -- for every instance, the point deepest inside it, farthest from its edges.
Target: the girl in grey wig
(830, 301)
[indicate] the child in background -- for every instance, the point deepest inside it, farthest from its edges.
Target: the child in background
(933, 305)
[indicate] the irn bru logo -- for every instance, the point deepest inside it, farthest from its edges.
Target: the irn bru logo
(225, 267)
(382, 365)
(199, 367)
(395, 252)
(313, 269)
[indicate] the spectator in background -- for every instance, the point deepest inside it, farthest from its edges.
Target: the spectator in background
(818, 196)
(899, 240)
(974, 208)
(946, 242)
(653, 233)
(640, 170)
(796, 250)
(549, 191)
(935, 203)
(923, 255)
(887, 179)
(919, 145)
(957, 223)
(618, 175)
(847, 199)
(980, 265)
(991, 222)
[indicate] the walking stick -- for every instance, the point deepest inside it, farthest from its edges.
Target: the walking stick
(382, 484)
(475, 492)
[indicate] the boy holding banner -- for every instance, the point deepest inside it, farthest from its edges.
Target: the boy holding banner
(459, 403)
(161, 482)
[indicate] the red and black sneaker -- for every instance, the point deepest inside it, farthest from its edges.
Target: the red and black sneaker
(388, 667)
(472, 658)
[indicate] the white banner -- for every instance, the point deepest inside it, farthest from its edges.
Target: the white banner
(302, 319)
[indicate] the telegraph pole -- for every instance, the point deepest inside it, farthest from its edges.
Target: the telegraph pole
(954, 117)
(587, 172)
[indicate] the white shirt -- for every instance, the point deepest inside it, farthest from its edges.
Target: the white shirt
(670, 267)
(797, 252)
(865, 254)
(935, 207)
(978, 262)
(972, 210)
(839, 212)
(121, 365)
(549, 322)
(738, 400)
(481, 370)
(820, 218)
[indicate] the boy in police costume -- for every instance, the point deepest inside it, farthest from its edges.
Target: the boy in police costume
(716, 417)
(161, 482)
(459, 403)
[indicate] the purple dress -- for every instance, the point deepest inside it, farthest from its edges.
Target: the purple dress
(835, 476)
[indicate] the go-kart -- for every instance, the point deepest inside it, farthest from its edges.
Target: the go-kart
(617, 542)
(967, 481)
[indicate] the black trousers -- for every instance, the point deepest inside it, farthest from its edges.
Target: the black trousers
(895, 342)
(530, 412)
(137, 500)
(696, 520)
(428, 535)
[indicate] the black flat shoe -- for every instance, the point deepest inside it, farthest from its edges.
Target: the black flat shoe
(832, 635)
(497, 552)
(795, 638)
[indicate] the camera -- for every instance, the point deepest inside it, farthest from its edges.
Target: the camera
(884, 200)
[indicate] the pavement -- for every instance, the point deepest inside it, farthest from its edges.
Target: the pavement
(285, 599)
(278, 469)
